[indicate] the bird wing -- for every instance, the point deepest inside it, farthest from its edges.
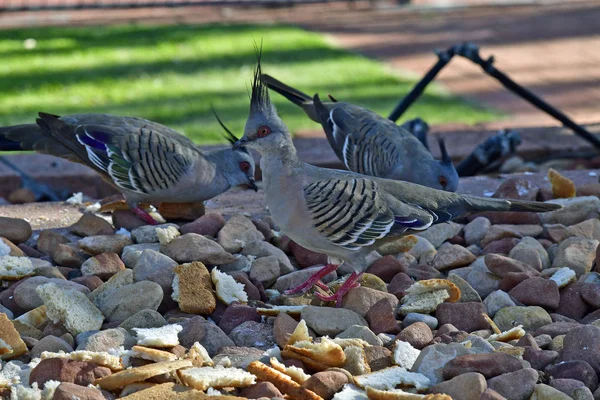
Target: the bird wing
(139, 159)
(364, 141)
(353, 212)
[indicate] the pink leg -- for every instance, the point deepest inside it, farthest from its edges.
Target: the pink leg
(144, 216)
(350, 283)
(313, 280)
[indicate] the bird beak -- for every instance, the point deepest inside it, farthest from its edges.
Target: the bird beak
(252, 184)
(240, 143)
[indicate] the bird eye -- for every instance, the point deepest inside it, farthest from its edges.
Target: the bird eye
(245, 166)
(263, 131)
(443, 181)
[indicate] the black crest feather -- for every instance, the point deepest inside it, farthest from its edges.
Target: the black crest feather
(259, 99)
(231, 138)
(445, 156)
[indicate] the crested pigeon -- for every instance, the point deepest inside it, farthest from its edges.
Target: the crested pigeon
(343, 214)
(146, 161)
(372, 145)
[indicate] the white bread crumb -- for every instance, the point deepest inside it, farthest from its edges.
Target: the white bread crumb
(165, 336)
(228, 289)
(351, 392)
(405, 354)
(202, 378)
(297, 374)
(166, 235)
(391, 377)
(199, 356)
(97, 357)
(15, 268)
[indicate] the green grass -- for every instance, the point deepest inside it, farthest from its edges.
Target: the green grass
(172, 74)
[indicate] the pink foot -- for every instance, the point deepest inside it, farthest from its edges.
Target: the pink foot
(144, 216)
(313, 280)
(350, 283)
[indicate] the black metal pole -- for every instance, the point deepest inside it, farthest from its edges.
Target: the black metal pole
(471, 52)
(444, 58)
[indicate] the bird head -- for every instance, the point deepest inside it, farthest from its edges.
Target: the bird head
(240, 164)
(444, 172)
(264, 130)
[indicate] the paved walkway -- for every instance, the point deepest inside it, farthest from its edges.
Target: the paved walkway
(553, 50)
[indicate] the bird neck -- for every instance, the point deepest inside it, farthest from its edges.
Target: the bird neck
(284, 154)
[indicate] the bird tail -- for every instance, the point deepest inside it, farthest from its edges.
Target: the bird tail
(485, 204)
(17, 137)
(297, 97)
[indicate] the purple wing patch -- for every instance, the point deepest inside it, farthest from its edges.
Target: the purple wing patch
(87, 140)
(412, 222)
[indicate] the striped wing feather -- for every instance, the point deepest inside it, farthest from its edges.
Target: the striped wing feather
(143, 162)
(352, 213)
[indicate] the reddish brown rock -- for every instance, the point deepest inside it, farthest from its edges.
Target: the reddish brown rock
(382, 318)
(49, 240)
(583, 344)
(502, 246)
(126, 219)
(91, 282)
(556, 328)
(512, 279)
(399, 284)
(508, 217)
(418, 335)
(576, 369)
(103, 265)
(21, 196)
(326, 383)
(14, 229)
(235, 315)
(283, 327)
(501, 266)
(571, 303)
(518, 189)
(362, 298)
(378, 357)
(464, 316)
(306, 258)
(538, 358)
(490, 394)
(386, 268)
(590, 293)
(537, 292)
(209, 224)
(263, 228)
(250, 287)
(261, 390)
(487, 364)
(64, 370)
(70, 391)
(423, 272)
(91, 225)
(469, 386)
(517, 385)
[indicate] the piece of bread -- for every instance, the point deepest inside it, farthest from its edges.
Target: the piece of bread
(77, 313)
(192, 289)
(297, 374)
(22, 392)
(5, 348)
(399, 394)
(404, 354)
(515, 333)
(300, 334)
(228, 289)
(199, 356)
(391, 377)
(347, 342)
(101, 358)
(202, 378)
(284, 383)
(356, 361)
(166, 235)
(492, 324)
(432, 285)
(151, 354)
(326, 351)
(174, 391)
(165, 336)
(274, 311)
(139, 374)
(49, 389)
(563, 277)
(15, 268)
(135, 387)
(10, 336)
(34, 317)
(350, 392)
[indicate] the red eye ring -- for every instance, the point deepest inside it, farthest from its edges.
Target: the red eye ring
(245, 166)
(443, 181)
(263, 131)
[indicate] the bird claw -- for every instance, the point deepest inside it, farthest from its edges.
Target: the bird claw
(350, 283)
(144, 216)
(313, 280)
